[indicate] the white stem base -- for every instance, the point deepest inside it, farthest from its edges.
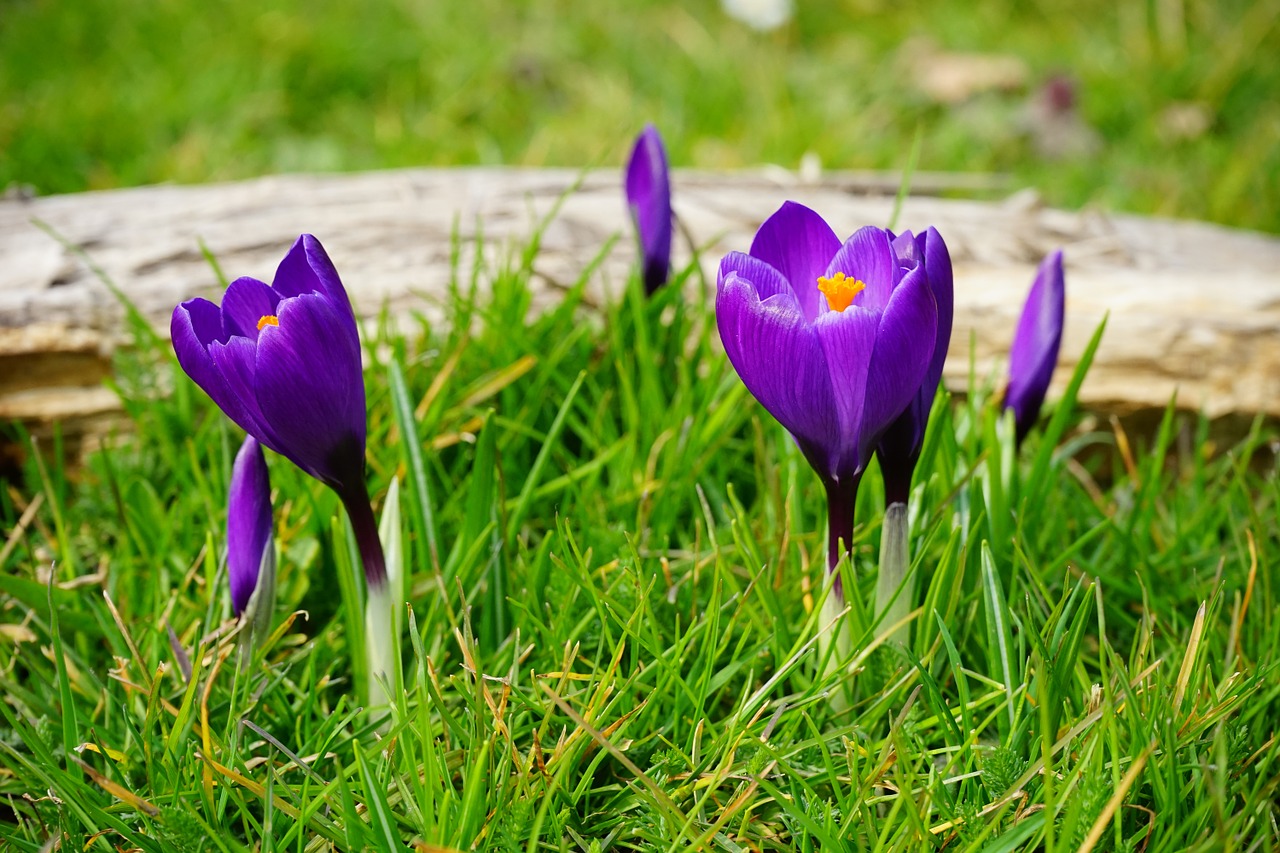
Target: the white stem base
(835, 646)
(895, 588)
(379, 648)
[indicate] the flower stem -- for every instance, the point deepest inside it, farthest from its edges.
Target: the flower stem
(835, 644)
(379, 644)
(256, 619)
(897, 473)
(356, 500)
(841, 498)
(894, 591)
(380, 649)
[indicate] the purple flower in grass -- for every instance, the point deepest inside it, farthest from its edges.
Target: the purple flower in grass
(1034, 353)
(899, 447)
(248, 523)
(648, 187)
(283, 362)
(833, 339)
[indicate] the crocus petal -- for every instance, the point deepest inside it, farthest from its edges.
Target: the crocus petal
(765, 279)
(906, 248)
(236, 363)
(901, 442)
(937, 263)
(310, 389)
(798, 243)
(1034, 353)
(848, 338)
(648, 189)
(868, 256)
(780, 359)
(196, 324)
(248, 522)
(307, 269)
(903, 350)
(245, 303)
(204, 320)
(196, 332)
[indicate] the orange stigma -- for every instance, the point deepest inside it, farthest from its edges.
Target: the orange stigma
(840, 290)
(268, 320)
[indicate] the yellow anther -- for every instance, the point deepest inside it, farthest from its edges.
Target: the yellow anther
(268, 320)
(840, 290)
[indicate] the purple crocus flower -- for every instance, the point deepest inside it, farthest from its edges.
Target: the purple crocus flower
(833, 340)
(248, 522)
(899, 448)
(648, 187)
(283, 362)
(1034, 353)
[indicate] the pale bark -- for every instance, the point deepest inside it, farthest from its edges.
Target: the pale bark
(1193, 307)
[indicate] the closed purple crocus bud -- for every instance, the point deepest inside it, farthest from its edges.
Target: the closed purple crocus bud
(283, 362)
(833, 339)
(1034, 353)
(648, 187)
(248, 526)
(899, 448)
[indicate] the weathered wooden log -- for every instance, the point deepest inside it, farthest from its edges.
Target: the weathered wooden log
(1193, 307)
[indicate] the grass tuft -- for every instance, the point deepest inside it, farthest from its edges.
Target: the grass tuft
(613, 578)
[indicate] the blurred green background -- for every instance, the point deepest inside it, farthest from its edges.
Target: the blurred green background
(1168, 107)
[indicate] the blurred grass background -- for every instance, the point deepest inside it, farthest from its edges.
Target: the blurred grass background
(1156, 106)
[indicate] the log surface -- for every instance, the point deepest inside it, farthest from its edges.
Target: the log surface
(1193, 307)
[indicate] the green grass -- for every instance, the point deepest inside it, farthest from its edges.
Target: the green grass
(615, 563)
(123, 93)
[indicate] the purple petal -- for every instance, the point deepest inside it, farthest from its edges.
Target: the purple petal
(196, 324)
(204, 319)
(906, 248)
(848, 340)
(307, 269)
(937, 263)
(245, 303)
(798, 243)
(901, 442)
(235, 361)
(780, 359)
(903, 350)
(648, 189)
(196, 333)
(310, 388)
(763, 278)
(868, 256)
(248, 522)
(1034, 353)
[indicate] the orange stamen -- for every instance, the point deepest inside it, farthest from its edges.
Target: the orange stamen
(840, 290)
(268, 320)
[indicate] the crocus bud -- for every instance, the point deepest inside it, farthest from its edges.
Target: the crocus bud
(899, 447)
(648, 187)
(1034, 353)
(251, 563)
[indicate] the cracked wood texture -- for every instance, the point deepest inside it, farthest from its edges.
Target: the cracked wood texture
(1193, 307)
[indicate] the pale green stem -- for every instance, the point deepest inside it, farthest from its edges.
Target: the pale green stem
(382, 611)
(380, 648)
(835, 643)
(895, 590)
(255, 622)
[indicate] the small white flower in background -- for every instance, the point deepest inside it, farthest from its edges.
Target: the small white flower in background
(762, 15)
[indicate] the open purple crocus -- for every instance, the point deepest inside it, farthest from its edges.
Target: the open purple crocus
(283, 362)
(1034, 353)
(833, 340)
(648, 188)
(899, 447)
(248, 522)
